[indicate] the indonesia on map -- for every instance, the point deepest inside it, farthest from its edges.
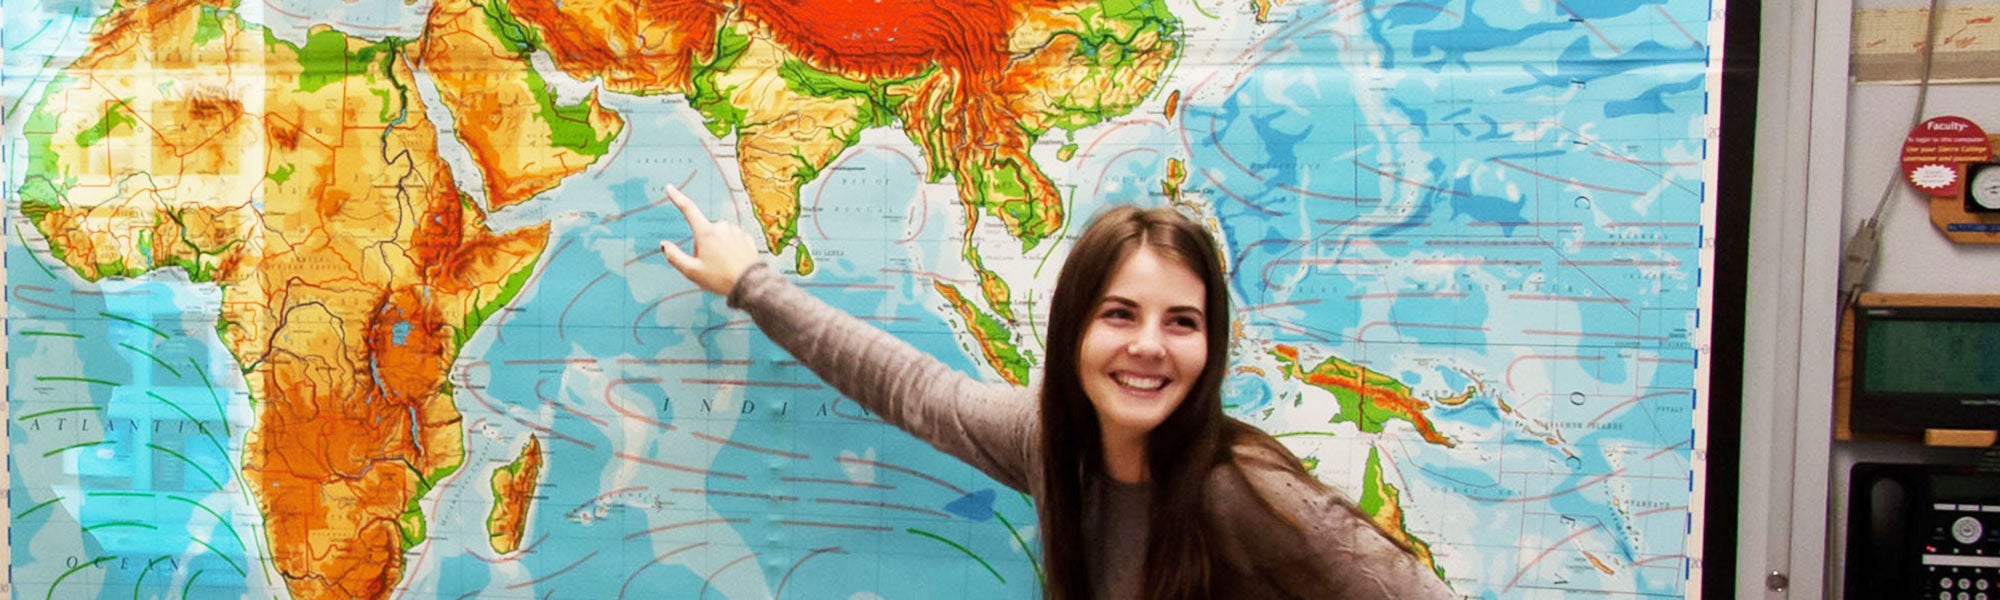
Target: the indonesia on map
(363, 299)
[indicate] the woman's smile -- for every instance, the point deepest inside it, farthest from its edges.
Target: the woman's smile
(1141, 383)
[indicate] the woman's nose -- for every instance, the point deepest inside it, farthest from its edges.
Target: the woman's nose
(1146, 343)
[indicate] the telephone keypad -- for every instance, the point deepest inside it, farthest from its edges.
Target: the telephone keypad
(1962, 551)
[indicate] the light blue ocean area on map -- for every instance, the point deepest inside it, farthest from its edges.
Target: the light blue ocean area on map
(1419, 309)
(1606, 9)
(1477, 415)
(1133, 176)
(1653, 101)
(135, 490)
(604, 294)
(1561, 214)
(1253, 146)
(1472, 35)
(39, 30)
(1247, 393)
(145, 481)
(1581, 65)
(1454, 380)
(372, 20)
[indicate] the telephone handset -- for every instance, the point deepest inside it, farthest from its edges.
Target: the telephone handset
(1923, 531)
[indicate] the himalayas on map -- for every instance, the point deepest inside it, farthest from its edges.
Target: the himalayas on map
(364, 299)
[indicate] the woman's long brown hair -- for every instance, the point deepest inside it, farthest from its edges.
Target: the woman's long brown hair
(1180, 453)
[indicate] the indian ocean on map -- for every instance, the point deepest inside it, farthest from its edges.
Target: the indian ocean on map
(362, 299)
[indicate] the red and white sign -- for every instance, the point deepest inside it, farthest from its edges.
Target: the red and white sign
(1937, 151)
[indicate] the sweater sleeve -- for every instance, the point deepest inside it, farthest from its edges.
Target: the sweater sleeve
(1316, 545)
(991, 426)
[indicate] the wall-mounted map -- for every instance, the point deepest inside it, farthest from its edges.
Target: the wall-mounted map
(363, 299)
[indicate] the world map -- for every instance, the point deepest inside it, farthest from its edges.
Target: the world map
(363, 299)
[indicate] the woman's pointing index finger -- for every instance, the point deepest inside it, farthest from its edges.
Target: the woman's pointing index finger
(696, 221)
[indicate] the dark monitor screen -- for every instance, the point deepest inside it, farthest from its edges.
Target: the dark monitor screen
(1932, 356)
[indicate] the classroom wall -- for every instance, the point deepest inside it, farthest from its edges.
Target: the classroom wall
(1826, 150)
(1915, 257)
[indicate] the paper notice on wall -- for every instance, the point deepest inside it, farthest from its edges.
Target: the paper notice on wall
(1888, 44)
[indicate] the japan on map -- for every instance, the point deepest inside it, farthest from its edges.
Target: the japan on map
(364, 299)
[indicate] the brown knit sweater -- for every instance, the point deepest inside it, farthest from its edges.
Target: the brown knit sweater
(995, 428)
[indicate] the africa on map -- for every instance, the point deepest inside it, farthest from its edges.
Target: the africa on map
(363, 299)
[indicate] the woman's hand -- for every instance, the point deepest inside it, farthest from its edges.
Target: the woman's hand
(722, 251)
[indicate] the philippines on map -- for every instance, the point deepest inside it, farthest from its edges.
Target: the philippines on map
(364, 299)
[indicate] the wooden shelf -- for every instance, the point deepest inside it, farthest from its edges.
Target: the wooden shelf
(1960, 438)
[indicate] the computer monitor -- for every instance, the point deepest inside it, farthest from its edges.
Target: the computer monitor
(1926, 367)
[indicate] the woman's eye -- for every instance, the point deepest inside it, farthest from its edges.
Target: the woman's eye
(1188, 323)
(1118, 314)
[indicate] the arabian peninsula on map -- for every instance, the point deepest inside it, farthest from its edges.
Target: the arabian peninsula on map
(363, 299)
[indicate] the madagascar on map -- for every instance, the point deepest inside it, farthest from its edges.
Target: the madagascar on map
(363, 299)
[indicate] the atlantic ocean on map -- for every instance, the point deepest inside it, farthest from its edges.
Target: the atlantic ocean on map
(364, 299)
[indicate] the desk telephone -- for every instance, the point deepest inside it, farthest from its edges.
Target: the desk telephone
(1923, 531)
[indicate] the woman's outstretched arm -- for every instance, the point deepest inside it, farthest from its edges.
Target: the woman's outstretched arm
(1307, 541)
(988, 425)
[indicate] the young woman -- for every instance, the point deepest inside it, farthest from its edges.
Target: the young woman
(1144, 488)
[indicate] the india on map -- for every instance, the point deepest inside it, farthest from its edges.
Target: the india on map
(364, 299)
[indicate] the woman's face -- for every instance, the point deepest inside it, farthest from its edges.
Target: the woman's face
(1143, 345)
